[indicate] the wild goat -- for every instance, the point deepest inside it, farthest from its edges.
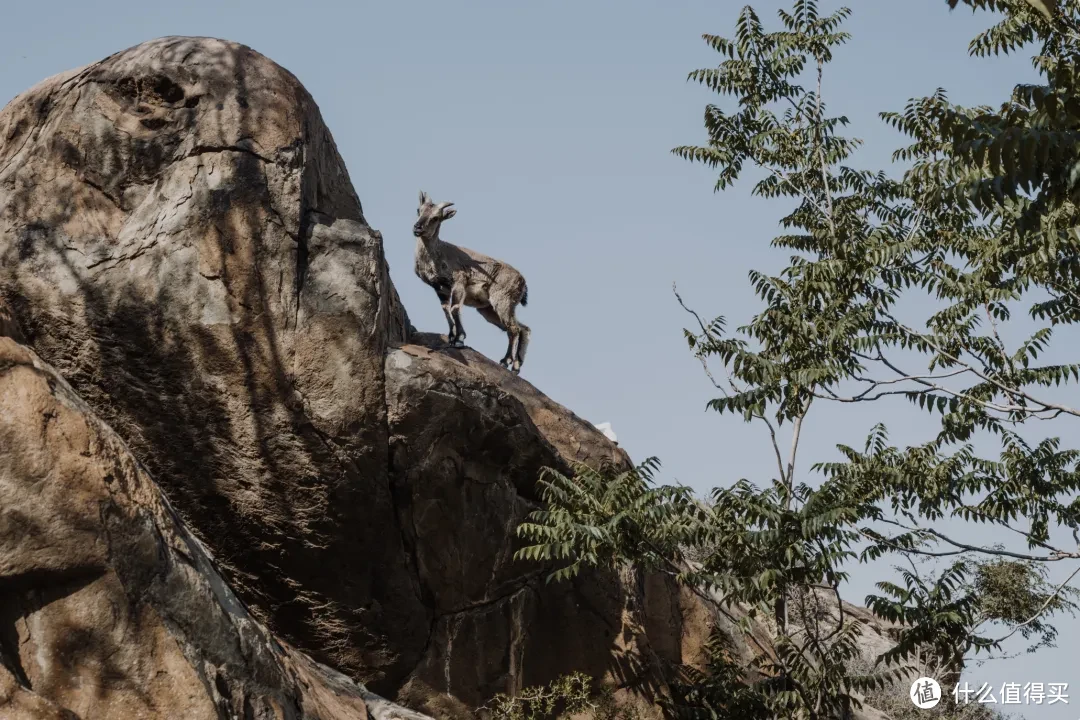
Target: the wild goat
(462, 276)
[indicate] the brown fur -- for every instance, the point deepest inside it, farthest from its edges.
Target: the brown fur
(461, 276)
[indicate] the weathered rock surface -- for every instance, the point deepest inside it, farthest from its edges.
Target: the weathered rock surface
(468, 441)
(109, 608)
(179, 239)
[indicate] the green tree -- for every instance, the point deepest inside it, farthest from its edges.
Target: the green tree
(984, 224)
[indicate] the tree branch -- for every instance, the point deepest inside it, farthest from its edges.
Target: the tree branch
(1042, 608)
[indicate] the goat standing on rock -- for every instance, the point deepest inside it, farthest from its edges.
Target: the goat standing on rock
(462, 276)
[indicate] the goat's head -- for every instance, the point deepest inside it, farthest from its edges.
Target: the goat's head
(430, 215)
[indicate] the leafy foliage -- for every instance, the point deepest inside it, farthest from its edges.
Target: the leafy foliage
(937, 617)
(985, 226)
(574, 694)
(1019, 594)
(567, 694)
(892, 699)
(594, 518)
(720, 692)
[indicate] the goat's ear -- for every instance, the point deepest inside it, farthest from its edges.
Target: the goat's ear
(423, 198)
(448, 213)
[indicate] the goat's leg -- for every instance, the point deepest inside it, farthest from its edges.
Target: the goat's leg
(455, 317)
(451, 334)
(508, 359)
(514, 333)
(444, 300)
(523, 343)
(489, 314)
(504, 308)
(457, 298)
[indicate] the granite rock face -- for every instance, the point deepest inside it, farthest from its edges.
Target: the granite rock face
(180, 241)
(109, 608)
(467, 442)
(179, 238)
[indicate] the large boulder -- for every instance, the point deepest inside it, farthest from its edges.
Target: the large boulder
(109, 608)
(468, 441)
(180, 240)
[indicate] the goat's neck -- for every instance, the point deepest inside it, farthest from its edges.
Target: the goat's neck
(427, 257)
(429, 245)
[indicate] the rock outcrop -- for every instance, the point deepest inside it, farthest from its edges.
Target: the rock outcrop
(467, 442)
(109, 608)
(180, 240)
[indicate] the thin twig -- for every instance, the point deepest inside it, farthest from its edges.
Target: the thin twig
(821, 152)
(1004, 388)
(1053, 557)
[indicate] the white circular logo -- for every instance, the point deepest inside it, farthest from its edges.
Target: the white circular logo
(925, 693)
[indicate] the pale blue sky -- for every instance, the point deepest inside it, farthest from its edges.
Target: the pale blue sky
(549, 125)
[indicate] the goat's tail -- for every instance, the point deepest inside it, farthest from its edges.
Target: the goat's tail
(524, 294)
